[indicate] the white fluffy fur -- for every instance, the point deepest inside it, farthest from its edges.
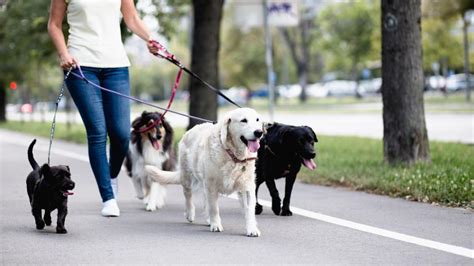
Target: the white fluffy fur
(152, 193)
(204, 163)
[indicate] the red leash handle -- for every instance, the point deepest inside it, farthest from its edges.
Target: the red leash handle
(163, 52)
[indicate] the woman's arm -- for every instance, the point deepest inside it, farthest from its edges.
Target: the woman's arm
(56, 16)
(135, 24)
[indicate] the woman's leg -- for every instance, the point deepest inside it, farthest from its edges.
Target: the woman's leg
(117, 115)
(89, 102)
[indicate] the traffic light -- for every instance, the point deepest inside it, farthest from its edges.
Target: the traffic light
(13, 85)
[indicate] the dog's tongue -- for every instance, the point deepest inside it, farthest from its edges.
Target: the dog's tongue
(156, 144)
(68, 193)
(253, 145)
(310, 164)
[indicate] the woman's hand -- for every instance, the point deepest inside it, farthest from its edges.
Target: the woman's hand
(66, 61)
(151, 47)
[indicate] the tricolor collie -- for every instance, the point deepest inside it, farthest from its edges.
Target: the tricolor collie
(151, 143)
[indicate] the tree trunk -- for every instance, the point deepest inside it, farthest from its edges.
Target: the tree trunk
(204, 59)
(3, 102)
(405, 136)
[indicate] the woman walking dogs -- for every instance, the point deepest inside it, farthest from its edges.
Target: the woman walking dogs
(94, 43)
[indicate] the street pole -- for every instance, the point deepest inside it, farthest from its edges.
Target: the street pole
(466, 19)
(269, 61)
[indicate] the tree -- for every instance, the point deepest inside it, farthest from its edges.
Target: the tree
(450, 9)
(405, 135)
(204, 58)
(347, 32)
(300, 59)
(24, 42)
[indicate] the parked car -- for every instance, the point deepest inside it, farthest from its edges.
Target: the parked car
(371, 86)
(458, 82)
(343, 88)
(237, 94)
(317, 90)
(289, 91)
(437, 82)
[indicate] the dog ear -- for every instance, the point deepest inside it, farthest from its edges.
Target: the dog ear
(312, 133)
(168, 141)
(225, 129)
(136, 122)
(282, 135)
(45, 170)
(266, 126)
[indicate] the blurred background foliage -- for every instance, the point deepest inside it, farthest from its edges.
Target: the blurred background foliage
(344, 38)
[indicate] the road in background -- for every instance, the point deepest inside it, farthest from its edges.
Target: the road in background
(164, 237)
(456, 127)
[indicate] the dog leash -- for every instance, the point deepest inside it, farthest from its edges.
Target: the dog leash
(163, 53)
(80, 75)
(53, 124)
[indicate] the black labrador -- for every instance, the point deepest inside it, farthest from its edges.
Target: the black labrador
(283, 150)
(48, 189)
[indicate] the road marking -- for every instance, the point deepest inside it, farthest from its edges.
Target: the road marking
(461, 251)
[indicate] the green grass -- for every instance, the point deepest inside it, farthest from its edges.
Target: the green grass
(356, 163)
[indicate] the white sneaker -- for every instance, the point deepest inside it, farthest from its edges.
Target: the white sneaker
(114, 184)
(110, 209)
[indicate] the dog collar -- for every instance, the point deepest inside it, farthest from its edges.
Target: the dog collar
(237, 160)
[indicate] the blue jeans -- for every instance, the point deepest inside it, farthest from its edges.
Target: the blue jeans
(104, 114)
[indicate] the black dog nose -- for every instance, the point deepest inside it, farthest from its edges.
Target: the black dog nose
(72, 185)
(313, 155)
(258, 133)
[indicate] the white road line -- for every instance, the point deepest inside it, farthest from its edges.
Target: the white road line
(461, 251)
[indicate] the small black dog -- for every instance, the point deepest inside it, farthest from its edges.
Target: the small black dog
(282, 151)
(48, 188)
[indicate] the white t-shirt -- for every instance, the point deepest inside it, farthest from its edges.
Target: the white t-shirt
(94, 33)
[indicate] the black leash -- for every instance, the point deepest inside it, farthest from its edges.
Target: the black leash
(172, 59)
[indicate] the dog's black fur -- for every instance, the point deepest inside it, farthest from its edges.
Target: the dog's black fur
(136, 138)
(283, 150)
(48, 188)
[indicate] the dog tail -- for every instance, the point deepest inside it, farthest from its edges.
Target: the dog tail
(161, 176)
(128, 164)
(32, 160)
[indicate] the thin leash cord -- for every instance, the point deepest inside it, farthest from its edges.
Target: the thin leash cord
(53, 124)
(81, 76)
(165, 54)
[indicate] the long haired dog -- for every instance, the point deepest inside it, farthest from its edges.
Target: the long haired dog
(219, 159)
(151, 143)
(48, 189)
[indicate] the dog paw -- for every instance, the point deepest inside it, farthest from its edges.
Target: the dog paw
(40, 225)
(47, 221)
(150, 207)
(286, 212)
(254, 232)
(258, 209)
(190, 216)
(276, 207)
(61, 230)
(216, 227)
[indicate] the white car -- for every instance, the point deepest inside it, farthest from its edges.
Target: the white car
(458, 82)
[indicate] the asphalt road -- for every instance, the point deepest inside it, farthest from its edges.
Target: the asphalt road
(330, 225)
